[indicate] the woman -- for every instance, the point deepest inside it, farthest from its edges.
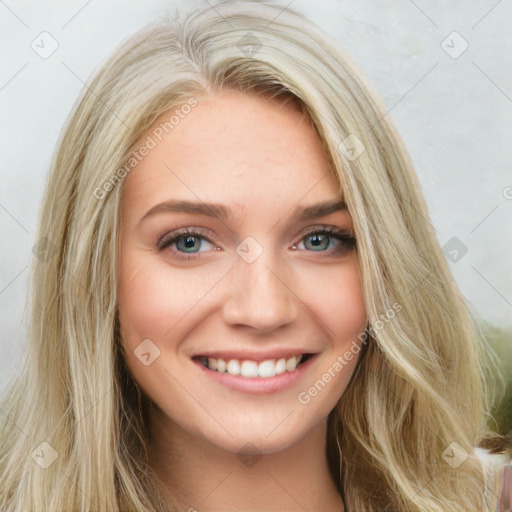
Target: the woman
(251, 373)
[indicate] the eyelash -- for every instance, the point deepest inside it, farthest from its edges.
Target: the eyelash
(347, 241)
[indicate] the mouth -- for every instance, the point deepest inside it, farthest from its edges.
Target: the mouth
(252, 369)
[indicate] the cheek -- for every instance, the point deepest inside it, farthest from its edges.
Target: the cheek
(339, 307)
(339, 303)
(351, 307)
(148, 307)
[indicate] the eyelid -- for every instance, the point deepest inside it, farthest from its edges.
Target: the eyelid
(327, 227)
(211, 235)
(344, 237)
(174, 233)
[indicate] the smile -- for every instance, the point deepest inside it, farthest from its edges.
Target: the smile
(268, 375)
(251, 369)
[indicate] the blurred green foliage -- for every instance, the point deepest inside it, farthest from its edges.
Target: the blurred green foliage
(500, 341)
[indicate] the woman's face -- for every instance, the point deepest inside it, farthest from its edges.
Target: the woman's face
(256, 280)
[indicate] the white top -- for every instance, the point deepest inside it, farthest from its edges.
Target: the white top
(498, 478)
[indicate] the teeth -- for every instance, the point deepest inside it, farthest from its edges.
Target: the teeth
(249, 369)
(233, 367)
(281, 366)
(221, 365)
(268, 368)
(291, 364)
(252, 369)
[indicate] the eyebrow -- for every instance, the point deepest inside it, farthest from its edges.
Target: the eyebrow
(225, 213)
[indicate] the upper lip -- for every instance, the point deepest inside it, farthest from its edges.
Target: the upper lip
(278, 353)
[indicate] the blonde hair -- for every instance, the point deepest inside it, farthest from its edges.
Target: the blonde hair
(420, 384)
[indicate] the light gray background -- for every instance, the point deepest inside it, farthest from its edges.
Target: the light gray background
(454, 114)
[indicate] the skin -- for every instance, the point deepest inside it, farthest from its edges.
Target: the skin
(263, 158)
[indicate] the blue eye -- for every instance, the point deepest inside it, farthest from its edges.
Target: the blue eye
(188, 242)
(319, 237)
(186, 239)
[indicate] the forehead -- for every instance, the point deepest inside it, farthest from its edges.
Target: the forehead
(245, 151)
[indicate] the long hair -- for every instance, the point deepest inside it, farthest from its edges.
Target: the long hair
(75, 432)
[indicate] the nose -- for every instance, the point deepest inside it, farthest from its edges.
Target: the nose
(259, 296)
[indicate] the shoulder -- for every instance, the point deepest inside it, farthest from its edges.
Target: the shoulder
(497, 469)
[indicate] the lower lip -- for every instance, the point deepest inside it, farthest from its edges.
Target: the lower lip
(258, 385)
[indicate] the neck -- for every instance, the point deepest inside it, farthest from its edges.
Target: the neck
(204, 477)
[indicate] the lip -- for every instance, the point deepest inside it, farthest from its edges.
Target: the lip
(258, 385)
(254, 356)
